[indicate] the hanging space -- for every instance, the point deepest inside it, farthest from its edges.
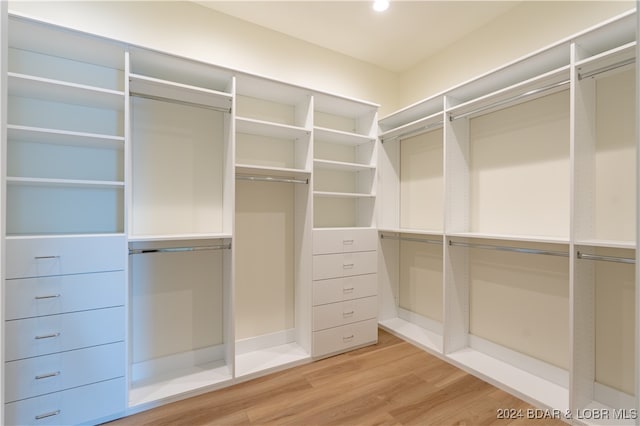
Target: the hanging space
(272, 239)
(412, 223)
(179, 227)
(604, 255)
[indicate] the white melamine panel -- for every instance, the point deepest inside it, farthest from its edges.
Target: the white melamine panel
(45, 256)
(521, 301)
(176, 301)
(344, 264)
(31, 297)
(421, 279)
(345, 312)
(345, 288)
(56, 333)
(327, 241)
(265, 110)
(177, 180)
(519, 169)
(63, 69)
(65, 208)
(343, 212)
(265, 258)
(335, 122)
(63, 116)
(615, 193)
(348, 336)
(265, 151)
(84, 404)
(344, 182)
(52, 373)
(422, 182)
(615, 322)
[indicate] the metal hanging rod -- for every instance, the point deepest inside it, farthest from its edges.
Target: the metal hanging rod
(179, 102)
(272, 179)
(415, 132)
(179, 249)
(585, 256)
(606, 68)
(416, 240)
(511, 249)
(507, 101)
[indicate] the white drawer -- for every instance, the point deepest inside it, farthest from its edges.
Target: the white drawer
(45, 256)
(344, 264)
(340, 339)
(341, 313)
(55, 333)
(31, 297)
(345, 288)
(327, 241)
(31, 377)
(82, 405)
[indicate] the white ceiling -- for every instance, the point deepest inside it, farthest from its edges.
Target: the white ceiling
(409, 31)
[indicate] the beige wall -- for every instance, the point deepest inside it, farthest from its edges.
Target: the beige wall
(528, 27)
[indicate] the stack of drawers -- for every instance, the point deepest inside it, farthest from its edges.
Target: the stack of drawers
(345, 288)
(64, 329)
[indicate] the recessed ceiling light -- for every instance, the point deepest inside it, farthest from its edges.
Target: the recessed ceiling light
(380, 5)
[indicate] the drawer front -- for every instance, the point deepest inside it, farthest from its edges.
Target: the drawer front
(326, 241)
(343, 338)
(56, 333)
(341, 313)
(86, 404)
(345, 288)
(32, 297)
(42, 256)
(31, 377)
(344, 265)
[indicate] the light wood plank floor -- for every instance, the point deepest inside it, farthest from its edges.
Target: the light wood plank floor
(391, 383)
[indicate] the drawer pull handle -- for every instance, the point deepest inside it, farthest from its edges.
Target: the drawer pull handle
(49, 414)
(347, 265)
(346, 314)
(49, 296)
(46, 257)
(347, 242)
(47, 336)
(47, 375)
(347, 338)
(348, 290)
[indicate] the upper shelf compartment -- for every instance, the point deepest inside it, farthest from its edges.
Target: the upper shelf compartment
(345, 116)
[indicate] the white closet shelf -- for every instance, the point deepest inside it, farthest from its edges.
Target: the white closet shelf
(433, 232)
(202, 377)
(340, 137)
(342, 166)
(248, 169)
(174, 237)
(342, 106)
(154, 88)
(69, 235)
(63, 137)
(423, 125)
(70, 183)
(412, 114)
(631, 245)
(270, 129)
(617, 58)
(60, 91)
(527, 386)
(328, 194)
(523, 238)
(542, 85)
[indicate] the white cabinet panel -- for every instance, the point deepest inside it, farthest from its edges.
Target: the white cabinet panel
(55, 333)
(46, 256)
(85, 404)
(341, 313)
(345, 337)
(344, 264)
(344, 240)
(345, 288)
(31, 377)
(32, 297)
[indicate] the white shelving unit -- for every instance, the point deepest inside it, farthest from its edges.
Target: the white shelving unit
(536, 217)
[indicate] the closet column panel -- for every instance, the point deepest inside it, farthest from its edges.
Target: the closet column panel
(3, 165)
(457, 205)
